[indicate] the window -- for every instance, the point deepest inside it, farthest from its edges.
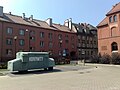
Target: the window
(91, 52)
(114, 46)
(9, 41)
(73, 46)
(41, 34)
(59, 36)
(114, 31)
(41, 44)
(59, 53)
(83, 51)
(60, 44)
(83, 37)
(94, 42)
(110, 19)
(115, 18)
(72, 38)
(32, 48)
(50, 44)
(22, 32)
(32, 38)
(91, 42)
(88, 52)
(32, 32)
(9, 30)
(79, 37)
(66, 36)
(79, 44)
(67, 41)
(50, 35)
(21, 42)
(9, 51)
(87, 41)
(83, 43)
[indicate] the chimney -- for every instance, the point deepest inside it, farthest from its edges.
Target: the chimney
(66, 22)
(49, 21)
(70, 23)
(1, 11)
(10, 13)
(31, 18)
(23, 16)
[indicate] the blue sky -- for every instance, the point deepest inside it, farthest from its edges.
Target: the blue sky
(89, 11)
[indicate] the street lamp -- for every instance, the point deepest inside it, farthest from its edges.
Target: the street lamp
(28, 39)
(15, 38)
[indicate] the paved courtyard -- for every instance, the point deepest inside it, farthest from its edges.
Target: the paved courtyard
(65, 78)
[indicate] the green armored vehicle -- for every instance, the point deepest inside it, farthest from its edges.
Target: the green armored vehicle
(31, 60)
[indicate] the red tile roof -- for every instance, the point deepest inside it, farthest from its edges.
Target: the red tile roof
(115, 9)
(62, 28)
(36, 23)
(103, 22)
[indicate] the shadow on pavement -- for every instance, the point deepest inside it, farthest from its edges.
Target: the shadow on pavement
(33, 72)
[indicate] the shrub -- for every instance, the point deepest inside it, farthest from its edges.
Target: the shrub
(3, 66)
(115, 58)
(105, 59)
(95, 58)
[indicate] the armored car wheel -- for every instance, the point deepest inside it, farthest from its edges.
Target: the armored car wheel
(50, 68)
(45, 69)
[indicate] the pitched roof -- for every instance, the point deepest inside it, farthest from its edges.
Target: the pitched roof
(115, 9)
(62, 28)
(36, 23)
(103, 22)
(83, 27)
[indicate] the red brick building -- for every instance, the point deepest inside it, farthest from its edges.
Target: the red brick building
(68, 41)
(27, 34)
(109, 32)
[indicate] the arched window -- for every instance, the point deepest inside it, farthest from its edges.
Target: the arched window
(110, 19)
(114, 31)
(114, 46)
(115, 18)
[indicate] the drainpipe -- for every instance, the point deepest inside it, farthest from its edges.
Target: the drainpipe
(2, 42)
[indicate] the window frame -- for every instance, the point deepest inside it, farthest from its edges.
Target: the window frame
(110, 19)
(9, 31)
(9, 53)
(23, 42)
(50, 36)
(59, 36)
(22, 32)
(115, 18)
(42, 34)
(42, 44)
(9, 41)
(50, 45)
(114, 46)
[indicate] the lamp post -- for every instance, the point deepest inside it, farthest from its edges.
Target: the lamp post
(15, 38)
(28, 39)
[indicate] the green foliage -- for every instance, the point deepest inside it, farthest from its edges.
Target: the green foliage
(3, 66)
(105, 59)
(115, 58)
(95, 58)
